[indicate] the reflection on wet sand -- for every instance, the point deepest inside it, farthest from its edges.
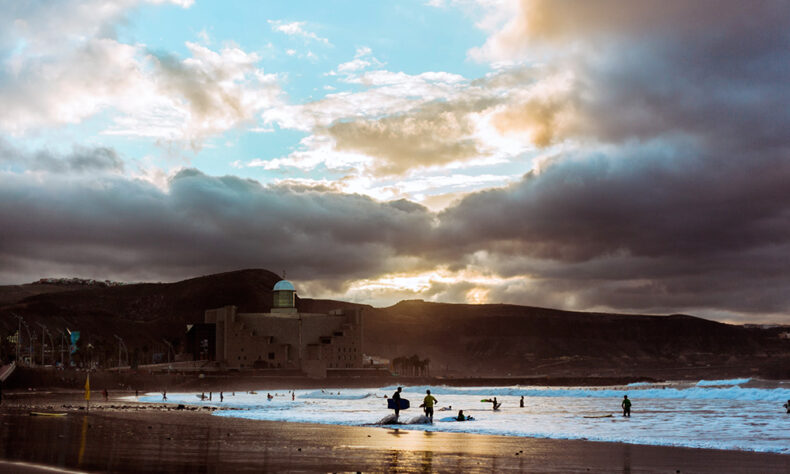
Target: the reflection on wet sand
(82, 440)
(159, 440)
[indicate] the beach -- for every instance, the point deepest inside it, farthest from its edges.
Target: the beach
(124, 436)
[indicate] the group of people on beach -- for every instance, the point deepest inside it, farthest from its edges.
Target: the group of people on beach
(429, 401)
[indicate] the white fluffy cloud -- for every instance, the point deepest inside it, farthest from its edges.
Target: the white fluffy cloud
(63, 64)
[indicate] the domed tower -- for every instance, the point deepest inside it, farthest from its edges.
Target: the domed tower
(284, 297)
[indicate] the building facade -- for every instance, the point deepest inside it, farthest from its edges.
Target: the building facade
(284, 338)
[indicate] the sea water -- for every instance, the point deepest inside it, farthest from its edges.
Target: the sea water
(737, 414)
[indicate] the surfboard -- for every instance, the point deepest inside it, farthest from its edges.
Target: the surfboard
(598, 416)
(404, 404)
(496, 407)
(39, 413)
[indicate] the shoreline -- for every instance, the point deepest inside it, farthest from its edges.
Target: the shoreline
(125, 436)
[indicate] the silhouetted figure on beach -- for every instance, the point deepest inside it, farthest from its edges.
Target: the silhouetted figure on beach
(221, 397)
(427, 403)
(626, 406)
(209, 396)
(164, 395)
(396, 397)
(521, 402)
(495, 404)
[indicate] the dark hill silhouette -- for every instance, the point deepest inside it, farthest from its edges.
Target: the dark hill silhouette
(464, 339)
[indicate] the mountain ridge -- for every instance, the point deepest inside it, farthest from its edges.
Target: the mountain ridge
(490, 339)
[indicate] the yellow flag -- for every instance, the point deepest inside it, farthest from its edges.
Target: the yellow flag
(88, 387)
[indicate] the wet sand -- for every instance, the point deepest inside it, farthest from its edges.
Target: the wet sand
(122, 436)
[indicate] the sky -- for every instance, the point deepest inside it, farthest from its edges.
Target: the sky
(597, 155)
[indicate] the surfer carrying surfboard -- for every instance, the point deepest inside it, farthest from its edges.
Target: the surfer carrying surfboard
(396, 397)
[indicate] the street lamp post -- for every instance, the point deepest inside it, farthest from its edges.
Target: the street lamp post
(18, 335)
(169, 350)
(121, 345)
(30, 341)
(43, 343)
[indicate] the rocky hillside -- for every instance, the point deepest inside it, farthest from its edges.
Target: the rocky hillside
(458, 338)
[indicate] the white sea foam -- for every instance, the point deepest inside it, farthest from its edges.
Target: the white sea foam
(682, 414)
(712, 383)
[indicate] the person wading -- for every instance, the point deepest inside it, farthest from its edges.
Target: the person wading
(428, 403)
(626, 406)
(396, 397)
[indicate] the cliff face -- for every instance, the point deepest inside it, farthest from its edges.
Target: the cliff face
(458, 338)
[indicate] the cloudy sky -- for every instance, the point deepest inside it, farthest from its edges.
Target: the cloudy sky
(592, 155)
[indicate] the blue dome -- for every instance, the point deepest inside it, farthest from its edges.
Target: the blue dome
(284, 285)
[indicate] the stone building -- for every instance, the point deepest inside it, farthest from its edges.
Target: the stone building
(284, 338)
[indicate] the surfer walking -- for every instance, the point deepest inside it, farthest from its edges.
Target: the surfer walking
(521, 402)
(626, 406)
(396, 404)
(427, 403)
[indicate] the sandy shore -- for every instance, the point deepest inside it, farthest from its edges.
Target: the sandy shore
(122, 436)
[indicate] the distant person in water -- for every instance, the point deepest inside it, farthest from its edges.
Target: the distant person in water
(396, 397)
(495, 404)
(428, 402)
(221, 397)
(164, 395)
(460, 416)
(787, 406)
(521, 402)
(626, 406)
(269, 396)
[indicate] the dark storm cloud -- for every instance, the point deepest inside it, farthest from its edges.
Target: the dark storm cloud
(110, 225)
(639, 228)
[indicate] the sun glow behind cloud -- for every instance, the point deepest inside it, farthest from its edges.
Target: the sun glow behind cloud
(439, 285)
(577, 155)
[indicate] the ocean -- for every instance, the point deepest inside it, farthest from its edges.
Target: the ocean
(737, 414)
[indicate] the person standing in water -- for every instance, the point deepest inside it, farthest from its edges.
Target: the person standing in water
(787, 406)
(221, 397)
(428, 402)
(396, 397)
(521, 402)
(626, 406)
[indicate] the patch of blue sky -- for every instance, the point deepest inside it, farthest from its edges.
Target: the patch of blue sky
(408, 36)
(220, 153)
